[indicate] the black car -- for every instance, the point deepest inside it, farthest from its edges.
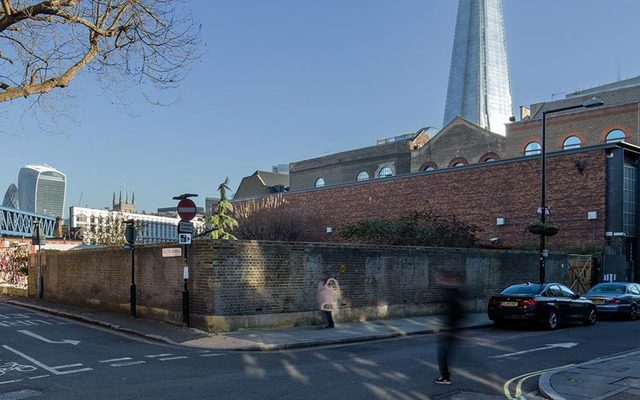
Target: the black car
(549, 304)
(616, 298)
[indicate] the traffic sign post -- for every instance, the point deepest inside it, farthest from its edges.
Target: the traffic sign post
(185, 227)
(187, 211)
(184, 238)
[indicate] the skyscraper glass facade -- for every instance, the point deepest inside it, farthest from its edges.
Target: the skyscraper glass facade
(479, 87)
(41, 189)
(11, 197)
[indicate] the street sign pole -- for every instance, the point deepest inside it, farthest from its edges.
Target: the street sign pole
(185, 292)
(187, 211)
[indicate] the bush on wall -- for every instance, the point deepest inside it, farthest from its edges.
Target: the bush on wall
(419, 228)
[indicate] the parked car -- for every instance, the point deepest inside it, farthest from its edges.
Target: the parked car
(549, 304)
(616, 298)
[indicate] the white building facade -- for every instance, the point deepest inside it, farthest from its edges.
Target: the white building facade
(93, 223)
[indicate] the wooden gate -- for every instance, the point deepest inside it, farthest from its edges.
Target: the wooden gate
(580, 270)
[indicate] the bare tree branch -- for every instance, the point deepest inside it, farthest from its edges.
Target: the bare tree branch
(45, 44)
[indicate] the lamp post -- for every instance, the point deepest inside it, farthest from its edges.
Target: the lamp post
(543, 158)
(130, 236)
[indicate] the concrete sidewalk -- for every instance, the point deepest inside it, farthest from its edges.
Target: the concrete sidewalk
(251, 339)
(613, 378)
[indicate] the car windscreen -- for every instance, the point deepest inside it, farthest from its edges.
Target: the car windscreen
(530, 289)
(608, 288)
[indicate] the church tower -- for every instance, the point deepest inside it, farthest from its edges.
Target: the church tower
(126, 206)
(479, 87)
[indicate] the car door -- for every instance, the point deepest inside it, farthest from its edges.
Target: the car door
(634, 290)
(563, 304)
(578, 306)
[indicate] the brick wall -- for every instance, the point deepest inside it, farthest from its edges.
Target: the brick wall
(590, 125)
(243, 284)
(477, 194)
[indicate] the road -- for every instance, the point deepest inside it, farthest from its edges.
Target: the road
(47, 357)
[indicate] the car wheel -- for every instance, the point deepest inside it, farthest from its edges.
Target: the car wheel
(552, 320)
(592, 316)
(633, 313)
(499, 323)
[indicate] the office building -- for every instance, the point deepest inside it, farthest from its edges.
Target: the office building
(11, 197)
(41, 190)
(479, 88)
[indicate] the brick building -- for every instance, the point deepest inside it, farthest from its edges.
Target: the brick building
(462, 142)
(592, 193)
(389, 157)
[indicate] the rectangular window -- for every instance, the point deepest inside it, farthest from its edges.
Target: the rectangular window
(630, 194)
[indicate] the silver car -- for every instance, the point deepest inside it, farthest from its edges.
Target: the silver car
(616, 298)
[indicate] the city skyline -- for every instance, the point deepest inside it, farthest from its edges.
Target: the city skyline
(276, 86)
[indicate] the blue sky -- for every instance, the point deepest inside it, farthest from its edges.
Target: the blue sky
(287, 80)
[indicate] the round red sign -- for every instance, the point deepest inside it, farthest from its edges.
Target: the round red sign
(186, 209)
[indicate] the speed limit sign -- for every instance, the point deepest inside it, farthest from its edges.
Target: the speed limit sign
(184, 238)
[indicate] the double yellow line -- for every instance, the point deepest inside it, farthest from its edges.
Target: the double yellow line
(519, 380)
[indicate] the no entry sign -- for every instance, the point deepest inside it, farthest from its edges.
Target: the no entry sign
(186, 209)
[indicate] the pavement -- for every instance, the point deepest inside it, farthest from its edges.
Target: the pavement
(613, 378)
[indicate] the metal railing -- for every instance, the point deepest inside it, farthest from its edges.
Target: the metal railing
(15, 222)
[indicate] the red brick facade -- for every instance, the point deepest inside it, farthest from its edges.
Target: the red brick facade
(477, 194)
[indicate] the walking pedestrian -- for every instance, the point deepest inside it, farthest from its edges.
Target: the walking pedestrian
(454, 313)
(326, 296)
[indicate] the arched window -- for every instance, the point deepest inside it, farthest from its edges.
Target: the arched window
(615, 135)
(458, 162)
(319, 182)
(532, 148)
(572, 142)
(428, 166)
(488, 157)
(385, 172)
(362, 176)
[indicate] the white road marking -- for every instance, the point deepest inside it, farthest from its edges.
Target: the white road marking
(44, 339)
(68, 366)
(549, 346)
(211, 354)
(126, 364)
(17, 380)
(39, 376)
(115, 359)
(53, 370)
(173, 358)
(159, 355)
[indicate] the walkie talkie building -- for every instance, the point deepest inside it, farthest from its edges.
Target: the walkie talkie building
(41, 190)
(479, 87)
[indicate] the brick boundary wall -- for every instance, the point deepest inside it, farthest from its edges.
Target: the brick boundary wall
(476, 194)
(249, 284)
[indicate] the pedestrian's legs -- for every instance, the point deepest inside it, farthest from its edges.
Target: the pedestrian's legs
(444, 351)
(326, 318)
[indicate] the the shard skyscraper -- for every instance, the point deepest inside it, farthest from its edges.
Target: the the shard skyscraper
(479, 87)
